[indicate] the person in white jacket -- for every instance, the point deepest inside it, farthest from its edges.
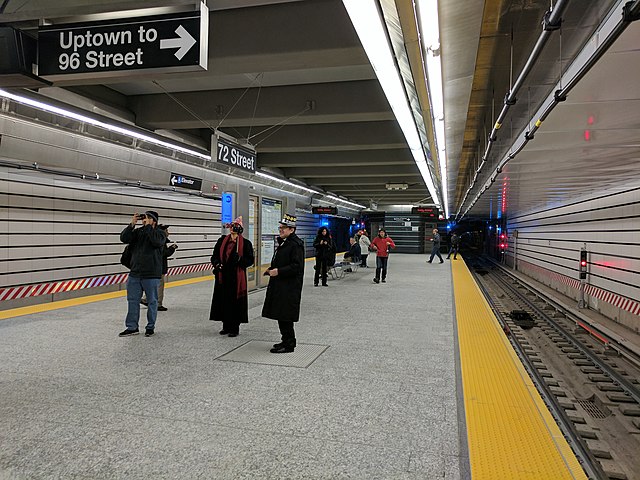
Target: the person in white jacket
(364, 248)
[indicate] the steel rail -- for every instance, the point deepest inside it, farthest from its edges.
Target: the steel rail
(627, 386)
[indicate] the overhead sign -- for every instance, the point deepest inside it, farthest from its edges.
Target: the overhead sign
(431, 212)
(230, 153)
(183, 181)
(324, 210)
(163, 43)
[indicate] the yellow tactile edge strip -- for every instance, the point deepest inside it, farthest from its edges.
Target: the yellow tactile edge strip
(510, 432)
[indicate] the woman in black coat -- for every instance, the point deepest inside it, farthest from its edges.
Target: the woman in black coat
(325, 255)
(282, 301)
(232, 255)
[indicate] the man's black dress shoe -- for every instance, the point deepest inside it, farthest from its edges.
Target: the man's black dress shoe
(281, 349)
(233, 334)
(223, 332)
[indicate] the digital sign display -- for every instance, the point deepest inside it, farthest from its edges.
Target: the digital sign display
(431, 212)
(324, 210)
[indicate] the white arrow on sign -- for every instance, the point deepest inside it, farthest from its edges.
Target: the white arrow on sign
(183, 43)
(173, 180)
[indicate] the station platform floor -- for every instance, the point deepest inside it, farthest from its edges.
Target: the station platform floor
(376, 393)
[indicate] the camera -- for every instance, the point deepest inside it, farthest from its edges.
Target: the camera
(142, 216)
(237, 229)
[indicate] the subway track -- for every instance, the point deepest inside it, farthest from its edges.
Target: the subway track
(590, 382)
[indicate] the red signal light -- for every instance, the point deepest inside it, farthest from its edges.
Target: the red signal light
(583, 263)
(502, 245)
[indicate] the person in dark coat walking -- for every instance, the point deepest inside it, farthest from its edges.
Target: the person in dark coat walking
(435, 250)
(232, 255)
(282, 301)
(455, 245)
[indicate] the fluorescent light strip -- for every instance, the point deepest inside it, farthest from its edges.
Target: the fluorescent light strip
(98, 123)
(286, 182)
(368, 24)
(345, 201)
(430, 35)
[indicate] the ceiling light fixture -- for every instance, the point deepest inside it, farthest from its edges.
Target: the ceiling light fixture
(92, 121)
(366, 20)
(430, 37)
(287, 182)
(396, 186)
(345, 201)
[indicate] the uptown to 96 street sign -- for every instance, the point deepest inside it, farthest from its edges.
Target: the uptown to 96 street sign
(167, 43)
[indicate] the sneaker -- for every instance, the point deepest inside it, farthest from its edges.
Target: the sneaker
(384, 281)
(148, 332)
(376, 280)
(143, 302)
(233, 334)
(441, 261)
(128, 333)
(428, 261)
(162, 309)
(223, 332)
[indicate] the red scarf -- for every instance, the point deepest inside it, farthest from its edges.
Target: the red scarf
(241, 283)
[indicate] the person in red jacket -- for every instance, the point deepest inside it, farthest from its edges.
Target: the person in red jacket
(381, 245)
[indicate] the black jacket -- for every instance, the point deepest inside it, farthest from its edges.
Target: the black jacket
(354, 252)
(166, 253)
(282, 301)
(324, 251)
(146, 244)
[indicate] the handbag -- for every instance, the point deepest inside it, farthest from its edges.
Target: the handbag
(125, 258)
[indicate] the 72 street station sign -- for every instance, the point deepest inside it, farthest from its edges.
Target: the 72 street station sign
(162, 43)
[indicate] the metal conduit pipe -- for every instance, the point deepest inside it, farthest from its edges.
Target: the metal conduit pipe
(630, 13)
(551, 22)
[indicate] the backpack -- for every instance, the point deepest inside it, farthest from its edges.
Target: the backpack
(125, 258)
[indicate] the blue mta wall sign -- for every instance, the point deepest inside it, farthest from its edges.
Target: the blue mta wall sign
(227, 208)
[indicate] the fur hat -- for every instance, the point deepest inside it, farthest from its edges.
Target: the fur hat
(152, 214)
(289, 220)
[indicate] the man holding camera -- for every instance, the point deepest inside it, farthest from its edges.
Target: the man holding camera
(146, 244)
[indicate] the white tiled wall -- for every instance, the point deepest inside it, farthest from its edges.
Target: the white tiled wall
(58, 228)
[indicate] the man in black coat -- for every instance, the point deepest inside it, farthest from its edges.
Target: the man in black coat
(146, 244)
(282, 301)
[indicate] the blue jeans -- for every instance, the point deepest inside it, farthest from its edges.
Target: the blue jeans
(435, 251)
(135, 286)
(381, 266)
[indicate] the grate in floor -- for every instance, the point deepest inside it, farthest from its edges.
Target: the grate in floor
(256, 351)
(592, 409)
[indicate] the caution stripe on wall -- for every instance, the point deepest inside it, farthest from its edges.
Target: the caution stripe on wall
(624, 303)
(25, 291)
